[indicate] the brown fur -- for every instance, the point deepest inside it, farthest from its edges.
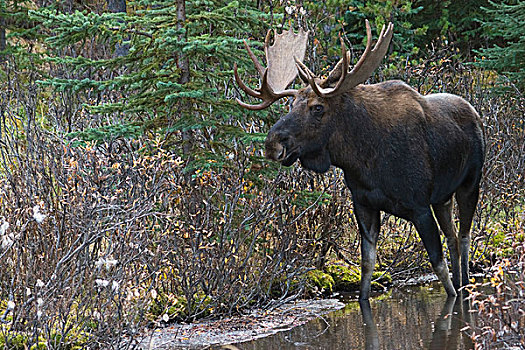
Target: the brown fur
(401, 152)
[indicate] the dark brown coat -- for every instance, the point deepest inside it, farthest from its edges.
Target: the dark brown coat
(401, 152)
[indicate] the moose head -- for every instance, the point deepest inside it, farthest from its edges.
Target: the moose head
(401, 152)
(305, 131)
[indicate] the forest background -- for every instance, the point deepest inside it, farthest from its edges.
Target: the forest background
(134, 191)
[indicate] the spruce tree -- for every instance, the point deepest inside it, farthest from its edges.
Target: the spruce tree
(504, 24)
(176, 76)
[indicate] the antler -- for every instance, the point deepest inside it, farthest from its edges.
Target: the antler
(366, 65)
(281, 69)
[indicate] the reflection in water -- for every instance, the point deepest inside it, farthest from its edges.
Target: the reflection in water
(412, 318)
(371, 333)
(447, 327)
(454, 316)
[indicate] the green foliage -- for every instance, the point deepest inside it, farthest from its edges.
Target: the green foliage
(78, 26)
(504, 24)
(348, 278)
(167, 306)
(306, 198)
(322, 280)
(378, 13)
(20, 341)
(16, 342)
(15, 19)
(103, 133)
(152, 88)
(449, 24)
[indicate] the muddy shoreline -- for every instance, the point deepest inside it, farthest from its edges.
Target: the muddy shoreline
(257, 324)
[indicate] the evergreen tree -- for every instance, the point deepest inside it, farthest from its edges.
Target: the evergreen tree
(449, 24)
(176, 77)
(380, 13)
(507, 55)
(13, 18)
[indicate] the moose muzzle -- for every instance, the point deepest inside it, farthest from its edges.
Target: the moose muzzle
(274, 150)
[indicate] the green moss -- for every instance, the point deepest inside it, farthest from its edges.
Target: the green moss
(173, 306)
(72, 341)
(321, 280)
(381, 279)
(348, 278)
(20, 341)
(177, 308)
(498, 238)
(16, 342)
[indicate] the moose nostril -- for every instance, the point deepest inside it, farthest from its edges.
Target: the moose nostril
(276, 144)
(275, 151)
(281, 153)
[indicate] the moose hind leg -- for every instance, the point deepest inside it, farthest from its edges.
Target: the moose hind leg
(443, 213)
(467, 199)
(369, 223)
(428, 231)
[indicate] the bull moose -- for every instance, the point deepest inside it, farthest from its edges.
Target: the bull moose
(401, 152)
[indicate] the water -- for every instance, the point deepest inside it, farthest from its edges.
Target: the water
(419, 317)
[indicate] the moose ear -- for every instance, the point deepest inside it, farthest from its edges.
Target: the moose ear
(335, 74)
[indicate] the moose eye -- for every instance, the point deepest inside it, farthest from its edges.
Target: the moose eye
(318, 109)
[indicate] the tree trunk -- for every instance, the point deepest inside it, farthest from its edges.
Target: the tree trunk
(119, 6)
(184, 65)
(3, 43)
(68, 6)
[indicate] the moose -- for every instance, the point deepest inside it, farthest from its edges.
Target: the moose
(401, 152)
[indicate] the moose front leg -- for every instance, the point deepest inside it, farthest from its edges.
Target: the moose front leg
(368, 221)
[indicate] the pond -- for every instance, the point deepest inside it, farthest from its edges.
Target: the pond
(416, 317)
